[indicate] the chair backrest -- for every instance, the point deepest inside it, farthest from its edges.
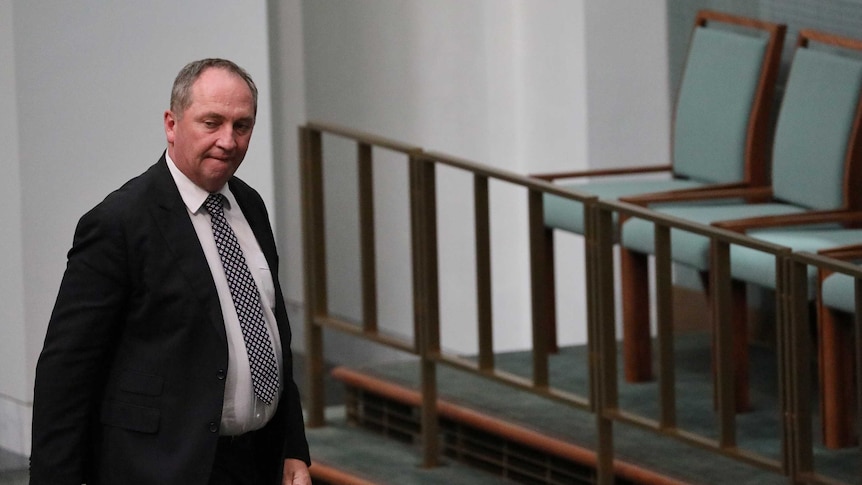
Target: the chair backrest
(816, 157)
(721, 119)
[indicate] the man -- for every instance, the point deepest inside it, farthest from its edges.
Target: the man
(167, 358)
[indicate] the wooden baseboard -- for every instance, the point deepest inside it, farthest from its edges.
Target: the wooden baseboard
(515, 433)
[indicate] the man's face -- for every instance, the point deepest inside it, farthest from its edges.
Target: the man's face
(208, 141)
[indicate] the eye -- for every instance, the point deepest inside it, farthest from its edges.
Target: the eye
(210, 123)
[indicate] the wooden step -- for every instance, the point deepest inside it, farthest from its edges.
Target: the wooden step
(507, 449)
(323, 474)
(345, 454)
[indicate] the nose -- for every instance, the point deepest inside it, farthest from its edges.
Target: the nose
(226, 138)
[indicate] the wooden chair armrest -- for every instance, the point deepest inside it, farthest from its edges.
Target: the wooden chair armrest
(852, 252)
(550, 177)
(846, 253)
(712, 192)
(785, 220)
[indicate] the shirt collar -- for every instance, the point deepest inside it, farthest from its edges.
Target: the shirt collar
(194, 196)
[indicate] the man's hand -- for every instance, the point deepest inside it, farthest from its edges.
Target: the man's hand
(296, 472)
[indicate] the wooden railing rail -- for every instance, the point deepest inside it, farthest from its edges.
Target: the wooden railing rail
(317, 315)
(794, 456)
(609, 409)
(424, 261)
(793, 342)
(798, 355)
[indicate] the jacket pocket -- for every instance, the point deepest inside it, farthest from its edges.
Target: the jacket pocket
(140, 383)
(130, 416)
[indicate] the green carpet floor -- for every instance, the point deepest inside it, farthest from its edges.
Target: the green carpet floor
(386, 462)
(758, 431)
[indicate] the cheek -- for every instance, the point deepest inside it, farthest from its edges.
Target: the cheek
(245, 142)
(199, 146)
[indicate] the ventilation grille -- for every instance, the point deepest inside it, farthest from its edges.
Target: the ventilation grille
(464, 443)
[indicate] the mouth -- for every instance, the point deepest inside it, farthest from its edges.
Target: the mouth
(223, 159)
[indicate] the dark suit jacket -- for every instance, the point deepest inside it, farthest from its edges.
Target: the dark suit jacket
(130, 383)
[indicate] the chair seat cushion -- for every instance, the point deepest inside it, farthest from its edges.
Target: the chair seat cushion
(758, 267)
(838, 292)
(688, 248)
(568, 215)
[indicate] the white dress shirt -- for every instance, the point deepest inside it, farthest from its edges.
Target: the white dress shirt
(242, 410)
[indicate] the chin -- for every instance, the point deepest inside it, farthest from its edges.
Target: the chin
(220, 177)
(216, 185)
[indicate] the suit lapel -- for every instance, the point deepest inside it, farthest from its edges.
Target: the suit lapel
(172, 218)
(258, 222)
(255, 213)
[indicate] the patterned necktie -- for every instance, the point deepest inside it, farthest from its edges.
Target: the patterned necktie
(246, 299)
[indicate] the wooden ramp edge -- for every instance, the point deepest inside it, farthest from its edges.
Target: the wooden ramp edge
(496, 426)
(323, 473)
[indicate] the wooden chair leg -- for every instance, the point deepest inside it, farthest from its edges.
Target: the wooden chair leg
(550, 296)
(637, 352)
(837, 379)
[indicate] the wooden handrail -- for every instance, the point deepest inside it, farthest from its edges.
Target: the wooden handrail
(608, 172)
(729, 191)
(601, 340)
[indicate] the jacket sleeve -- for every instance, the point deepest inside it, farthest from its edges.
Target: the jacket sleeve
(295, 443)
(70, 373)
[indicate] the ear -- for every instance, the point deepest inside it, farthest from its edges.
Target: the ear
(170, 126)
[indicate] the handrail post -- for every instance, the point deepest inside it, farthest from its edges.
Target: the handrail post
(365, 171)
(600, 292)
(483, 272)
(664, 318)
(720, 286)
(425, 298)
(594, 349)
(784, 329)
(796, 372)
(314, 262)
(857, 331)
(538, 276)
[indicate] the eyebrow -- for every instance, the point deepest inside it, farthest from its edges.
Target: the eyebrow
(213, 114)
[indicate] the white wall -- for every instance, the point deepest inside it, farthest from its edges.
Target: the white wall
(628, 93)
(13, 377)
(473, 79)
(528, 86)
(92, 80)
(288, 113)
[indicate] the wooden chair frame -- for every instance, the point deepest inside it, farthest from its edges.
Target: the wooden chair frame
(836, 351)
(756, 157)
(635, 292)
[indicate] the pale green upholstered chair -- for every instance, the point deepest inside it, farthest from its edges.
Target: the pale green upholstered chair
(720, 129)
(816, 175)
(835, 306)
(837, 352)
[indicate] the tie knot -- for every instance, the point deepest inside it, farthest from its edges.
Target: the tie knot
(215, 203)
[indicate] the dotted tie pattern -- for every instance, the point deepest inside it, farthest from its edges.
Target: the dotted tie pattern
(246, 299)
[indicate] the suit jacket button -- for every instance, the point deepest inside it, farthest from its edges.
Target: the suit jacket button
(213, 427)
(221, 374)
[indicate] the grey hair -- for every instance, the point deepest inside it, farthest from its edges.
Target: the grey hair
(181, 94)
